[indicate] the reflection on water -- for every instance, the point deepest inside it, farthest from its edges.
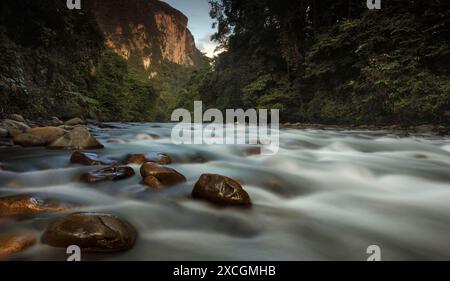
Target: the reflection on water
(325, 195)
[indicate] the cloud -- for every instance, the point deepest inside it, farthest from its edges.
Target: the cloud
(207, 46)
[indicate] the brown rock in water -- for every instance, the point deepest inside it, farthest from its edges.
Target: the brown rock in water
(55, 122)
(250, 151)
(153, 182)
(17, 117)
(137, 159)
(164, 159)
(108, 174)
(92, 232)
(165, 176)
(75, 121)
(424, 129)
(79, 139)
(27, 205)
(221, 190)
(9, 124)
(90, 159)
(15, 243)
(140, 159)
(28, 140)
(14, 132)
(48, 134)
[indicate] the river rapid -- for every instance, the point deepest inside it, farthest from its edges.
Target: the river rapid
(326, 195)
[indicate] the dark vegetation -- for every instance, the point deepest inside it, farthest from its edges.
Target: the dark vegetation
(331, 61)
(54, 63)
(321, 61)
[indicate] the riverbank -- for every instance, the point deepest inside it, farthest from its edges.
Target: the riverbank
(15, 130)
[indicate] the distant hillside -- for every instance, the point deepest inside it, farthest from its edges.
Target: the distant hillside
(95, 62)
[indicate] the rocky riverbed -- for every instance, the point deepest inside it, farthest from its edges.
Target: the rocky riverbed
(126, 192)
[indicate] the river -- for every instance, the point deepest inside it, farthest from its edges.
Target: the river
(326, 195)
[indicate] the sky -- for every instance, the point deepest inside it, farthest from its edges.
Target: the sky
(200, 24)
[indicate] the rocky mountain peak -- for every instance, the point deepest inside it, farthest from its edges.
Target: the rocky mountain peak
(146, 32)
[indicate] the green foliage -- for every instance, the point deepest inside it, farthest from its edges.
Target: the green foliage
(54, 63)
(330, 61)
(122, 96)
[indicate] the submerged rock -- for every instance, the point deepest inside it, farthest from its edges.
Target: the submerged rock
(17, 117)
(48, 134)
(79, 138)
(54, 121)
(424, 129)
(75, 121)
(250, 151)
(108, 174)
(27, 205)
(12, 132)
(28, 140)
(220, 190)
(11, 244)
(92, 232)
(90, 159)
(140, 159)
(9, 124)
(160, 176)
(153, 182)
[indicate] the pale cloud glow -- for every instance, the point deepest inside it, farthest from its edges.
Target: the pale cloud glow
(207, 46)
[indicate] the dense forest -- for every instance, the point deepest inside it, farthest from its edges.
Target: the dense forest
(55, 62)
(321, 61)
(331, 61)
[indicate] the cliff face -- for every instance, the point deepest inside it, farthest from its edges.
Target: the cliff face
(146, 32)
(55, 62)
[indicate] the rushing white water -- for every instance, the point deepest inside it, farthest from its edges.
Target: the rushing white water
(326, 195)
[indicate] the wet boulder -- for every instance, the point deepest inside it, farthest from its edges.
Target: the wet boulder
(48, 134)
(424, 129)
(92, 232)
(139, 159)
(114, 173)
(221, 190)
(78, 139)
(54, 121)
(11, 244)
(28, 205)
(9, 124)
(12, 132)
(153, 182)
(90, 159)
(17, 117)
(75, 121)
(28, 140)
(160, 176)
